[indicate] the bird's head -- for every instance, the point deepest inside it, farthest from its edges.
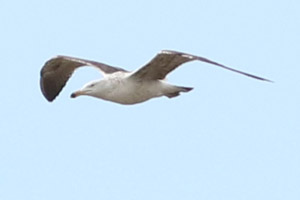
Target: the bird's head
(90, 89)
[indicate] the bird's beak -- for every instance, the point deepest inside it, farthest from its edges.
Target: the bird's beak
(77, 93)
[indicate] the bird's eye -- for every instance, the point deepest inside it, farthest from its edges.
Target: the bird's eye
(92, 85)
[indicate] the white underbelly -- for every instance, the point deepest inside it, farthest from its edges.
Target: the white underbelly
(130, 92)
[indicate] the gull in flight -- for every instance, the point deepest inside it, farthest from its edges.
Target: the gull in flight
(119, 85)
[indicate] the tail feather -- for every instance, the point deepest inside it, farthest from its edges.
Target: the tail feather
(177, 93)
(185, 89)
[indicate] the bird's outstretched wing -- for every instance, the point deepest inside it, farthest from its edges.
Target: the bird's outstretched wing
(57, 71)
(166, 61)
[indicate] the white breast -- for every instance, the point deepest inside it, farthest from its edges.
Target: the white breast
(121, 89)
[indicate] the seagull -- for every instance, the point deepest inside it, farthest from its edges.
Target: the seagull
(119, 85)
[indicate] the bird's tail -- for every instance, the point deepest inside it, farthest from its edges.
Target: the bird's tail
(178, 90)
(185, 89)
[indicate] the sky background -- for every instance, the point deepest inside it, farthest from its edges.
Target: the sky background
(232, 137)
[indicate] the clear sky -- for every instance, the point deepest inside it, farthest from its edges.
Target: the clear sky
(232, 137)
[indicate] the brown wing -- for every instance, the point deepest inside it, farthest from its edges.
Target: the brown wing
(57, 71)
(167, 61)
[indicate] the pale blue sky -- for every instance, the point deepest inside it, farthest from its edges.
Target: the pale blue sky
(231, 138)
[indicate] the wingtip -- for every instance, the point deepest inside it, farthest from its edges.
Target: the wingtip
(270, 81)
(48, 97)
(263, 79)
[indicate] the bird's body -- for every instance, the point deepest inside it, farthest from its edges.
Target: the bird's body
(121, 88)
(119, 85)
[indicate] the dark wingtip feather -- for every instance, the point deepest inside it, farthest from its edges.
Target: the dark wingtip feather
(257, 77)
